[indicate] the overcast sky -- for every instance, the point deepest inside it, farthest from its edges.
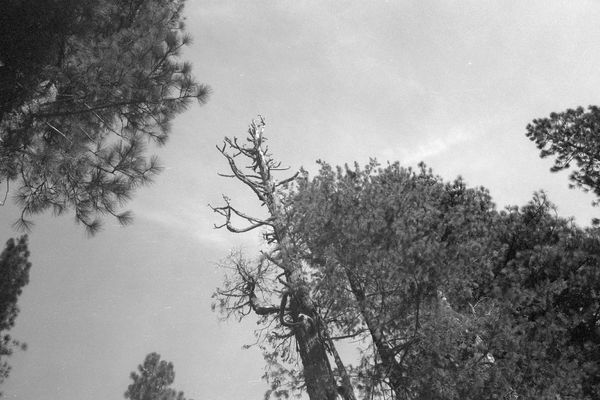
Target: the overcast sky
(452, 83)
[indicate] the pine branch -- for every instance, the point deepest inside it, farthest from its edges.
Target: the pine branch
(90, 109)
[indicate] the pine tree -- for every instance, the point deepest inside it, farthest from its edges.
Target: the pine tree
(451, 299)
(572, 137)
(278, 288)
(394, 249)
(75, 125)
(545, 290)
(153, 381)
(14, 275)
(447, 297)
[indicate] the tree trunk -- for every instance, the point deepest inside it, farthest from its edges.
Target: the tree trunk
(318, 375)
(386, 354)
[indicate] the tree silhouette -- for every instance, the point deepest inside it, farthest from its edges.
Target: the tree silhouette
(572, 137)
(75, 124)
(278, 288)
(397, 251)
(153, 381)
(14, 275)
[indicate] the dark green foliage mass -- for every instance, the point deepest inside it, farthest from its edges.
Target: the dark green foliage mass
(572, 137)
(14, 275)
(394, 247)
(31, 36)
(446, 297)
(153, 381)
(546, 290)
(86, 86)
(453, 299)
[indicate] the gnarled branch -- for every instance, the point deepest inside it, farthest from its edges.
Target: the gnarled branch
(228, 210)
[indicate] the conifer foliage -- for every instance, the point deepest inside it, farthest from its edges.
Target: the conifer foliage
(80, 105)
(545, 293)
(14, 275)
(153, 381)
(445, 296)
(572, 137)
(397, 251)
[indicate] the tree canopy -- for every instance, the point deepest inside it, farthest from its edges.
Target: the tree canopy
(153, 381)
(456, 299)
(14, 275)
(545, 296)
(571, 136)
(80, 106)
(447, 297)
(393, 248)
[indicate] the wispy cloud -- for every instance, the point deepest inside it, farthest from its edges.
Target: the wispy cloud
(434, 146)
(182, 220)
(189, 222)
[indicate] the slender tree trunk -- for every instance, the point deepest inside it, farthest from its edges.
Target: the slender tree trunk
(347, 390)
(392, 368)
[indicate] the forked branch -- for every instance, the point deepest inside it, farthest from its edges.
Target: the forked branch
(228, 211)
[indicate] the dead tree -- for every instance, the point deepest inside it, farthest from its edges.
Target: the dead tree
(296, 311)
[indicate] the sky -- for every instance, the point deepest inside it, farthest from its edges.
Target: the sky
(451, 83)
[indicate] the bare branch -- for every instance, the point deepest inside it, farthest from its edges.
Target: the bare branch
(349, 336)
(288, 180)
(282, 309)
(277, 263)
(243, 230)
(227, 211)
(255, 186)
(253, 302)
(282, 320)
(3, 202)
